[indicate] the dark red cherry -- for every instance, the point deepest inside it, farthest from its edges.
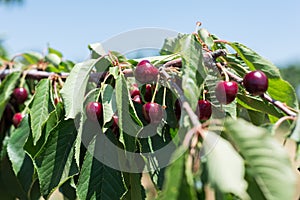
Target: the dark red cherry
(137, 99)
(204, 110)
(148, 92)
(17, 118)
(145, 72)
(114, 126)
(134, 90)
(177, 109)
(256, 82)
(153, 113)
(94, 111)
(20, 94)
(226, 91)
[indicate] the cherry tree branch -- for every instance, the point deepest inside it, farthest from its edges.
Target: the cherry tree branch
(95, 77)
(186, 106)
(264, 96)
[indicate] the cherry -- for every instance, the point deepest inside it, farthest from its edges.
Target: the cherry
(20, 94)
(137, 99)
(153, 113)
(204, 110)
(134, 91)
(94, 111)
(226, 91)
(148, 92)
(177, 109)
(256, 82)
(17, 118)
(145, 72)
(114, 126)
(57, 100)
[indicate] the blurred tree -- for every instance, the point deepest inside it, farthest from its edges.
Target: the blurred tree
(8, 2)
(3, 51)
(292, 75)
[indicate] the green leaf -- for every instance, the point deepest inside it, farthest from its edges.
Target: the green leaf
(16, 142)
(134, 188)
(54, 51)
(295, 135)
(87, 129)
(96, 180)
(108, 97)
(255, 61)
(278, 89)
(126, 123)
(21, 163)
(206, 38)
(53, 59)
(55, 163)
(54, 118)
(32, 57)
(193, 69)
(172, 45)
(9, 182)
(176, 185)
(7, 87)
(41, 107)
(74, 88)
(227, 177)
(97, 50)
(281, 90)
(266, 160)
(257, 104)
(257, 118)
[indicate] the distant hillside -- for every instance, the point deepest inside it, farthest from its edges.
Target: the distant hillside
(292, 75)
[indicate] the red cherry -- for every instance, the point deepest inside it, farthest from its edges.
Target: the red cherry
(256, 82)
(204, 110)
(17, 118)
(94, 111)
(177, 109)
(134, 91)
(148, 92)
(153, 113)
(20, 94)
(114, 126)
(145, 72)
(137, 99)
(226, 91)
(57, 100)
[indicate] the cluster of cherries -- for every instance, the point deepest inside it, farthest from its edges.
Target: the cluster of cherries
(255, 82)
(20, 95)
(145, 73)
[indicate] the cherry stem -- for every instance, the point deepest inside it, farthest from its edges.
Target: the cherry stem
(164, 98)
(155, 90)
(224, 71)
(204, 92)
(55, 90)
(22, 82)
(221, 41)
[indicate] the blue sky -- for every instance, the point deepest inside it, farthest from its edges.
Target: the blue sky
(272, 28)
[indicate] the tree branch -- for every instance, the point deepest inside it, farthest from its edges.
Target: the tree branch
(264, 96)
